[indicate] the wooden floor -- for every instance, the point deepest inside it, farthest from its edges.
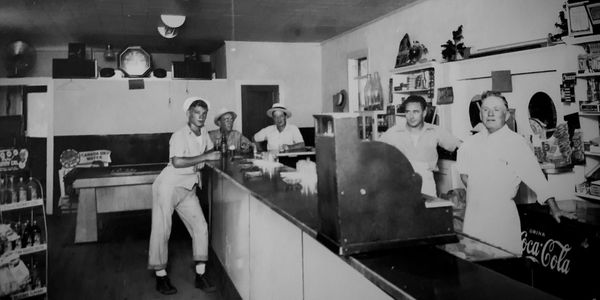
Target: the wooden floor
(115, 267)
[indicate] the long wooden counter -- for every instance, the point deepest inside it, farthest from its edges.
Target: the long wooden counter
(265, 234)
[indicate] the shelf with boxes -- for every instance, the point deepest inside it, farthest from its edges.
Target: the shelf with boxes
(414, 79)
(418, 79)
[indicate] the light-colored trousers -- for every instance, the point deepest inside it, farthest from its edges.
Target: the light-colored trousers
(167, 197)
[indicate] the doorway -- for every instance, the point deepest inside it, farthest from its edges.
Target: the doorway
(256, 100)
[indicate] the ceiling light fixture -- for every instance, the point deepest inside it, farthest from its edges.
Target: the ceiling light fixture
(167, 32)
(173, 21)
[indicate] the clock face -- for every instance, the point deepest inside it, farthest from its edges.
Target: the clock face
(135, 62)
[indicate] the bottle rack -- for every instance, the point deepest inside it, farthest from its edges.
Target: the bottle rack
(27, 219)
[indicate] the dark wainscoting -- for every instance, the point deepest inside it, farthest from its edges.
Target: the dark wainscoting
(125, 149)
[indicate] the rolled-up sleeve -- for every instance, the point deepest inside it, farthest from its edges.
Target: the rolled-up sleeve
(297, 136)
(530, 172)
(261, 135)
(447, 141)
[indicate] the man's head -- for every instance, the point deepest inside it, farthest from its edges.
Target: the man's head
(279, 114)
(196, 110)
(225, 120)
(416, 109)
(494, 111)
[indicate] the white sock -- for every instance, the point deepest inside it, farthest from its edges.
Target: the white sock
(200, 268)
(161, 273)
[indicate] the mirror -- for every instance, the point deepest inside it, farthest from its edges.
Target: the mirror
(542, 114)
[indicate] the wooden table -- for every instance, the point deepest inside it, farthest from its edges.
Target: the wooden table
(111, 189)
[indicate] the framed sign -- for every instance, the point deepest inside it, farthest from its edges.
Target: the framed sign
(579, 22)
(445, 95)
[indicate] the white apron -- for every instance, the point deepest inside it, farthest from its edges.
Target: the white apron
(491, 213)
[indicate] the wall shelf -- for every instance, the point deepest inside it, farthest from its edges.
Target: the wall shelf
(413, 91)
(587, 196)
(581, 40)
(415, 68)
(588, 75)
(585, 113)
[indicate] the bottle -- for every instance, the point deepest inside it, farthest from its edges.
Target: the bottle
(25, 230)
(368, 94)
(2, 191)
(377, 92)
(36, 233)
(12, 190)
(16, 227)
(34, 275)
(32, 193)
(22, 190)
(223, 144)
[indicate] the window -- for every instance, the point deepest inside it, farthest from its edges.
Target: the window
(358, 68)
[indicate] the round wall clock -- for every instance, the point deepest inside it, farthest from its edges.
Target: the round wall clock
(135, 62)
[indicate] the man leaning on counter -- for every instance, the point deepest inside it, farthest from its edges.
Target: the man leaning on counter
(224, 120)
(492, 164)
(280, 136)
(175, 190)
(418, 141)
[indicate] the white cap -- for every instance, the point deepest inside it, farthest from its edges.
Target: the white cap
(190, 100)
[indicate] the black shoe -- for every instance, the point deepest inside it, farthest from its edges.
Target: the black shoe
(163, 285)
(202, 282)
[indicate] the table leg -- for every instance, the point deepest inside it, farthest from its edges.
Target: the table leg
(86, 229)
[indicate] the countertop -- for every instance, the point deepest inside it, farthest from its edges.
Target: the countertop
(423, 272)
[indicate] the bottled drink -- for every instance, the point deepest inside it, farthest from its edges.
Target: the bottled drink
(34, 272)
(25, 230)
(32, 193)
(2, 191)
(16, 227)
(368, 94)
(36, 233)
(12, 190)
(223, 144)
(22, 190)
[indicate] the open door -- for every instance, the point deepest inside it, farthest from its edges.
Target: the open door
(256, 100)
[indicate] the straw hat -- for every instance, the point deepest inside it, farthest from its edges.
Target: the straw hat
(278, 106)
(222, 112)
(190, 100)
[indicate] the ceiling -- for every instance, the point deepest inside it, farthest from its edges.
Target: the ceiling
(51, 23)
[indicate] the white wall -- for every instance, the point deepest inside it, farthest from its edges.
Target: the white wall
(107, 106)
(486, 23)
(296, 67)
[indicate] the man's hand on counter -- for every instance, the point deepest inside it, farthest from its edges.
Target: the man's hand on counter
(556, 212)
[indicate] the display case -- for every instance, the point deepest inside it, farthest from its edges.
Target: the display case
(23, 234)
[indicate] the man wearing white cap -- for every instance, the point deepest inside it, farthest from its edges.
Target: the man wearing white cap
(281, 136)
(234, 139)
(175, 189)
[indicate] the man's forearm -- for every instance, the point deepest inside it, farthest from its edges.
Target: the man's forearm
(185, 162)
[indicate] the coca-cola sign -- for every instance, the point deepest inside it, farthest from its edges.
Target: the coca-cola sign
(550, 253)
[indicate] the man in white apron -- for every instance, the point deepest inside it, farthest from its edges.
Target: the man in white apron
(492, 164)
(175, 190)
(418, 141)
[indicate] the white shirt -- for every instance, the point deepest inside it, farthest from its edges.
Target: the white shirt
(496, 164)
(185, 143)
(288, 136)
